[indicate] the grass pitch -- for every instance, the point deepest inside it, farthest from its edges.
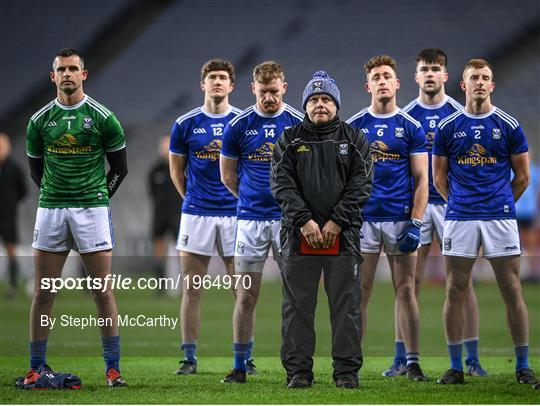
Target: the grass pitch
(150, 355)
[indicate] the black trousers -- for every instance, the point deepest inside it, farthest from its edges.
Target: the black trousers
(301, 275)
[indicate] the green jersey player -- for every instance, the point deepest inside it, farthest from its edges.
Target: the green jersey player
(67, 141)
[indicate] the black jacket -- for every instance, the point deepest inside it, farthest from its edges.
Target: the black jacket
(321, 172)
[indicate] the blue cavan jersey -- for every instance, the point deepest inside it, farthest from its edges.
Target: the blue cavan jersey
(478, 149)
(393, 138)
(250, 139)
(198, 135)
(429, 117)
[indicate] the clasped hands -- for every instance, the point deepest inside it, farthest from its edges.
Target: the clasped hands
(318, 238)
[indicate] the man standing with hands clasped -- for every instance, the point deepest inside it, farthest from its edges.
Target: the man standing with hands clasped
(321, 177)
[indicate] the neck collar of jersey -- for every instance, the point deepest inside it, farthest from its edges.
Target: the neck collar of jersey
(260, 113)
(489, 113)
(432, 106)
(387, 115)
(211, 115)
(71, 107)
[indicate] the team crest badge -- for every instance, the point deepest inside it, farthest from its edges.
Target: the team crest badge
(87, 122)
(447, 244)
(399, 132)
(184, 240)
(496, 134)
(317, 85)
(240, 247)
(343, 149)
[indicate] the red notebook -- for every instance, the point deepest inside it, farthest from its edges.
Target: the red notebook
(306, 249)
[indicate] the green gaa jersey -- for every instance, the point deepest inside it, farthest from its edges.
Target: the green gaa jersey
(73, 141)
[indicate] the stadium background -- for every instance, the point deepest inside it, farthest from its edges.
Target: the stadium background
(144, 60)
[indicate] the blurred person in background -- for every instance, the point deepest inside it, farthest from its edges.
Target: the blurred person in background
(527, 208)
(166, 206)
(13, 187)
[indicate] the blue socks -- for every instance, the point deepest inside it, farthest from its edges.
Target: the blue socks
(240, 355)
(471, 345)
(38, 353)
(190, 352)
(455, 351)
(401, 353)
(522, 357)
(111, 352)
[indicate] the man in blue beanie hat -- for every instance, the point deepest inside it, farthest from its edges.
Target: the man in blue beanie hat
(321, 177)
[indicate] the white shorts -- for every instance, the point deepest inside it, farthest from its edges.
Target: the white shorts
(498, 238)
(375, 235)
(84, 229)
(433, 223)
(253, 241)
(207, 235)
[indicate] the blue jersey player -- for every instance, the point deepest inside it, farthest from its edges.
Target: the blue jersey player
(208, 217)
(431, 106)
(248, 145)
(394, 212)
(474, 153)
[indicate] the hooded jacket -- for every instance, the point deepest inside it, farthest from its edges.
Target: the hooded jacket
(321, 172)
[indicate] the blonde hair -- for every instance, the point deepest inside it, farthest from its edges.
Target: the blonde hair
(477, 64)
(267, 72)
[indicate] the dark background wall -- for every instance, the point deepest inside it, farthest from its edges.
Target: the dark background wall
(144, 59)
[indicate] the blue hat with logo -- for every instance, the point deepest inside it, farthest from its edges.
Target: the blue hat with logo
(321, 83)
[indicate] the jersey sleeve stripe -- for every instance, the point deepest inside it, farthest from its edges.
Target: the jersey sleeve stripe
(33, 155)
(117, 148)
(245, 113)
(98, 109)
(189, 114)
(229, 156)
(409, 106)
(176, 153)
(507, 117)
(41, 111)
(409, 118)
(97, 106)
(451, 117)
(357, 115)
(294, 112)
(455, 104)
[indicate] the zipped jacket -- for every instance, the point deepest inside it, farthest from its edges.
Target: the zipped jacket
(321, 172)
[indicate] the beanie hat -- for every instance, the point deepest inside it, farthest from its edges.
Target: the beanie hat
(321, 84)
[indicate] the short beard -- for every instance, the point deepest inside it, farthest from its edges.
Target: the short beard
(69, 90)
(433, 92)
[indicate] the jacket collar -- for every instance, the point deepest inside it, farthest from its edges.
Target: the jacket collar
(322, 129)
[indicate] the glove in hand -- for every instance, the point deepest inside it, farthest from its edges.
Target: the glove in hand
(409, 239)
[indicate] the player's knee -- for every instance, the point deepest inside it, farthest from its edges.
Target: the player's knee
(101, 297)
(405, 292)
(246, 299)
(192, 293)
(456, 292)
(43, 297)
